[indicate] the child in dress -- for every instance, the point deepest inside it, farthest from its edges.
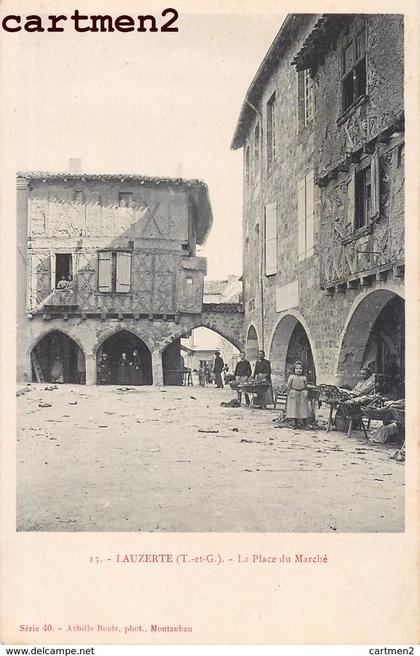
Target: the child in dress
(297, 406)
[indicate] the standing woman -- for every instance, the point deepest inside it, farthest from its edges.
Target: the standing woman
(135, 375)
(297, 405)
(104, 370)
(57, 370)
(262, 374)
(123, 369)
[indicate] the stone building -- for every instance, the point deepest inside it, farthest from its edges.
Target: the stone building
(107, 263)
(322, 132)
(201, 345)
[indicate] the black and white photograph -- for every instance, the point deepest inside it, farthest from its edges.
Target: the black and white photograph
(210, 275)
(209, 325)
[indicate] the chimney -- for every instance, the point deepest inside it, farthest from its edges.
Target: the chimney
(179, 170)
(75, 165)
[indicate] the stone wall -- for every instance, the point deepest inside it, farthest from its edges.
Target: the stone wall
(275, 303)
(84, 217)
(335, 137)
(161, 336)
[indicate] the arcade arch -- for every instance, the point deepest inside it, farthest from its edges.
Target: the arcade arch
(374, 336)
(125, 341)
(290, 342)
(57, 358)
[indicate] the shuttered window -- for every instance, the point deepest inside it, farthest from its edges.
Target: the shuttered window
(354, 79)
(114, 271)
(306, 216)
(270, 239)
(105, 271)
(363, 193)
(123, 272)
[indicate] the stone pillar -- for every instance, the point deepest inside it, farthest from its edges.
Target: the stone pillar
(90, 369)
(157, 368)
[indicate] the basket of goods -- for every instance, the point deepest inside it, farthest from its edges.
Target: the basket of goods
(397, 409)
(398, 415)
(343, 395)
(328, 393)
(253, 386)
(234, 384)
(376, 410)
(313, 392)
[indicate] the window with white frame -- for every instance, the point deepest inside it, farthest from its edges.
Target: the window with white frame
(270, 252)
(114, 271)
(305, 105)
(306, 216)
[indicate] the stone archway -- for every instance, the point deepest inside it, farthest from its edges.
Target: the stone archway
(291, 342)
(190, 350)
(57, 358)
(251, 343)
(374, 336)
(125, 341)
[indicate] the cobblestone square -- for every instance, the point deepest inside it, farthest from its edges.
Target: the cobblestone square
(173, 460)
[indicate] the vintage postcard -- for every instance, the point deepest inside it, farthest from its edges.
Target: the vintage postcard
(209, 300)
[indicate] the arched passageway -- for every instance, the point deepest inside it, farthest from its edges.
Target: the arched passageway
(290, 342)
(195, 351)
(251, 345)
(56, 358)
(137, 371)
(375, 337)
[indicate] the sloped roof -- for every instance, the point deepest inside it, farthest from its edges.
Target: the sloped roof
(122, 177)
(280, 43)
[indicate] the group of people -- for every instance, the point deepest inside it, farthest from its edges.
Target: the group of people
(207, 374)
(129, 369)
(298, 407)
(204, 374)
(65, 283)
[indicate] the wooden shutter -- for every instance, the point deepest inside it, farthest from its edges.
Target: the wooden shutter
(52, 269)
(74, 265)
(123, 273)
(351, 198)
(310, 214)
(104, 271)
(301, 219)
(270, 239)
(375, 185)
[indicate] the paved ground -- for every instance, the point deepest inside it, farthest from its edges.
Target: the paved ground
(103, 460)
